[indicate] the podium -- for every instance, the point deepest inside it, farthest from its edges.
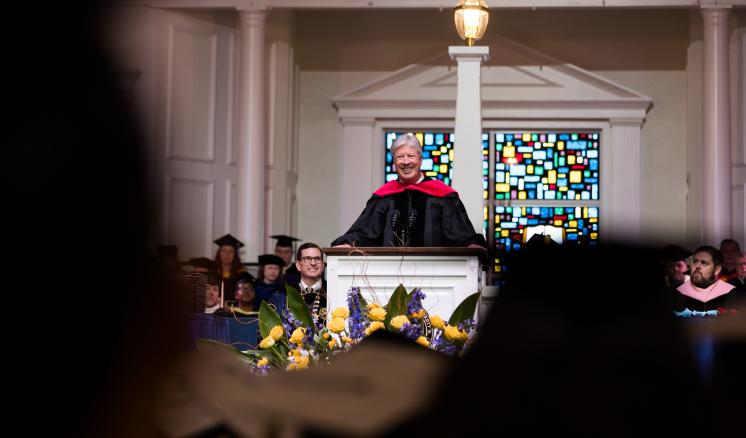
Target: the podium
(445, 275)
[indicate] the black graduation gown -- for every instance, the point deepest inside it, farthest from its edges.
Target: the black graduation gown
(436, 221)
(291, 275)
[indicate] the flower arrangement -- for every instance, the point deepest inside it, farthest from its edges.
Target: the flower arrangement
(294, 341)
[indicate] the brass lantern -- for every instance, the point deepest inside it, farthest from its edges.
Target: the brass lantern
(471, 18)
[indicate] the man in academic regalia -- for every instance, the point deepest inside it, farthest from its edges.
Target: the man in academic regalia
(284, 250)
(704, 292)
(312, 286)
(414, 210)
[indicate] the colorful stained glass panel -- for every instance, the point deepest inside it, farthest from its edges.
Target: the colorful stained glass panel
(577, 224)
(437, 154)
(547, 165)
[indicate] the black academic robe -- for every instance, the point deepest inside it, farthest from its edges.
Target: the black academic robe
(428, 214)
(291, 275)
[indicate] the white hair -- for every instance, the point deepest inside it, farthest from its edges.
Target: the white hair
(408, 139)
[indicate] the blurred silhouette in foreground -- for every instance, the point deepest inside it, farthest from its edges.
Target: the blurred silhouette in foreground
(575, 346)
(74, 177)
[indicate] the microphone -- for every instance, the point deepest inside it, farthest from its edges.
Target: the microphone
(412, 218)
(395, 219)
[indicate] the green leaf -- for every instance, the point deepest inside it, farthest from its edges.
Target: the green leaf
(397, 305)
(209, 343)
(299, 309)
(268, 318)
(465, 310)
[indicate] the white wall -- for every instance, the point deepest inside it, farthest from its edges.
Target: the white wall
(663, 149)
(320, 133)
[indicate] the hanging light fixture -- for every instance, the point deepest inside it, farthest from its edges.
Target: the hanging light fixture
(471, 18)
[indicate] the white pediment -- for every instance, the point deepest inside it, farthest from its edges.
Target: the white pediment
(517, 82)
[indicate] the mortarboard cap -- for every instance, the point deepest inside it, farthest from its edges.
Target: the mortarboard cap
(673, 253)
(283, 240)
(228, 240)
(213, 279)
(245, 277)
(271, 259)
(204, 262)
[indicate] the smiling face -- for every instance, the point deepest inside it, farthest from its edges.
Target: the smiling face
(408, 162)
(310, 265)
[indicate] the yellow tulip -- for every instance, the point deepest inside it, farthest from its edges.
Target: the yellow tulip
(377, 314)
(298, 335)
(262, 362)
(336, 325)
(267, 342)
(341, 312)
(453, 334)
(437, 322)
(375, 325)
(277, 332)
(398, 321)
(423, 341)
(332, 343)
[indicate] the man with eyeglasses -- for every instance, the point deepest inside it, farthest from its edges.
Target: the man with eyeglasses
(704, 292)
(312, 286)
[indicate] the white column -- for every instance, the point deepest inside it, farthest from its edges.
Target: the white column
(467, 167)
(251, 134)
(622, 222)
(716, 127)
(355, 189)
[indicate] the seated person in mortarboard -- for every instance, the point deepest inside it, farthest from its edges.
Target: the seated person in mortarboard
(204, 265)
(414, 210)
(246, 303)
(269, 279)
(284, 250)
(704, 294)
(228, 260)
(212, 293)
(312, 286)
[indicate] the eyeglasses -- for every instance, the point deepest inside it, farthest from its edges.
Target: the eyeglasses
(309, 259)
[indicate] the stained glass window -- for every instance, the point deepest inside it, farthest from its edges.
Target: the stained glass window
(577, 224)
(437, 154)
(547, 165)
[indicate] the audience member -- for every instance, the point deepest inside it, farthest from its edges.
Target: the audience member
(269, 280)
(739, 280)
(284, 250)
(675, 266)
(704, 292)
(310, 264)
(245, 303)
(730, 249)
(213, 299)
(229, 261)
(204, 265)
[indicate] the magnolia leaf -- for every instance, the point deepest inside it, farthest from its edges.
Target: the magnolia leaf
(268, 318)
(397, 305)
(297, 306)
(209, 343)
(465, 310)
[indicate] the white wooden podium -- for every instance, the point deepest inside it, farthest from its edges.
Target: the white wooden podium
(445, 275)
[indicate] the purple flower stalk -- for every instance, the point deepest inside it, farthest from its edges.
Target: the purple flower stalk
(357, 318)
(416, 304)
